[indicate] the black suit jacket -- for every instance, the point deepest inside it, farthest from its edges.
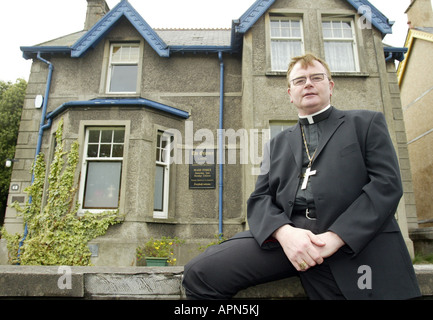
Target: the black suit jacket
(356, 190)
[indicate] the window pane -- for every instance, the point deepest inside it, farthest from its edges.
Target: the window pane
(102, 185)
(117, 151)
(159, 189)
(119, 136)
(347, 30)
(92, 150)
(134, 54)
(94, 136)
(346, 25)
(158, 154)
(336, 27)
(327, 29)
(296, 28)
(105, 150)
(285, 29)
(164, 142)
(106, 136)
(296, 24)
(123, 78)
(326, 24)
(117, 54)
(275, 28)
(158, 148)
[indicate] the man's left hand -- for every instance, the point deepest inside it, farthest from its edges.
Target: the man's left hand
(332, 243)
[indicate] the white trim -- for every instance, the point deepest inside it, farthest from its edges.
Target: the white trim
(309, 117)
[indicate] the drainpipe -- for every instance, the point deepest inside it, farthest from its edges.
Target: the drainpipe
(221, 145)
(42, 127)
(388, 56)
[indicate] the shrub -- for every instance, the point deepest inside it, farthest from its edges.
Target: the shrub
(56, 235)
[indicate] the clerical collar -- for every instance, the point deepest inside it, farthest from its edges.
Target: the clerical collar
(316, 117)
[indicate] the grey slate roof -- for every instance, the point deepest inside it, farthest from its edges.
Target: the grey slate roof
(66, 41)
(195, 37)
(172, 37)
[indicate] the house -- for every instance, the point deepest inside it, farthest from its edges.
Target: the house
(416, 87)
(171, 123)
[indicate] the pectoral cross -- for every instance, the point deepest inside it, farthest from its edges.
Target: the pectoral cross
(307, 175)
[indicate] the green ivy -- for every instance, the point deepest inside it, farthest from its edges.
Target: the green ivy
(57, 235)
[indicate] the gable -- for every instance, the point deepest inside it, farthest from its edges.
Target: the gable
(258, 8)
(373, 15)
(425, 34)
(103, 26)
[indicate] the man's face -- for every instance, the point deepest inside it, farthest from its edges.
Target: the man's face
(315, 94)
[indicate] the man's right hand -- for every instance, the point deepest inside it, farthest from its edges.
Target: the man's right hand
(299, 245)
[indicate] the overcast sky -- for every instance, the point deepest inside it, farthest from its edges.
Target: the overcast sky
(30, 22)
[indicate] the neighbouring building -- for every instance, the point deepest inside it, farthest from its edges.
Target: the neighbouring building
(148, 106)
(416, 86)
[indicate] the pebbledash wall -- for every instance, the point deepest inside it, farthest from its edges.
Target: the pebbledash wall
(191, 85)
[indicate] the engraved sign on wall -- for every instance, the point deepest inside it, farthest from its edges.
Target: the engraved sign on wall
(202, 169)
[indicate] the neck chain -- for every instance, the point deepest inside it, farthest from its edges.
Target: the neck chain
(310, 159)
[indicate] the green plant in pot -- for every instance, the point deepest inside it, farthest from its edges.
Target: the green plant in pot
(158, 252)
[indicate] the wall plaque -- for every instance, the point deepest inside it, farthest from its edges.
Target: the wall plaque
(202, 169)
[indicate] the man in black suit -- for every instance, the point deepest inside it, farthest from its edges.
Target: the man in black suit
(322, 209)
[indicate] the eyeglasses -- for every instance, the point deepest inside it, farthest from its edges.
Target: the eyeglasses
(315, 77)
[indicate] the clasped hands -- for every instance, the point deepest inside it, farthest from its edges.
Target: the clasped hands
(304, 249)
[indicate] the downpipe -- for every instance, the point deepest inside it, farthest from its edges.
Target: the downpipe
(221, 146)
(42, 127)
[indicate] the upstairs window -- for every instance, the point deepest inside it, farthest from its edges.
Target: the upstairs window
(286, 41)
(123, 68)
(340, 45)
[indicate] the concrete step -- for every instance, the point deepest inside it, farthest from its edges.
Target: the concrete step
(138, 283)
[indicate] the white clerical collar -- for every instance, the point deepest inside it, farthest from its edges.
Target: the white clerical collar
(312, 118)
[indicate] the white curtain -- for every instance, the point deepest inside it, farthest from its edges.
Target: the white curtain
(340, 56)
(282, 52)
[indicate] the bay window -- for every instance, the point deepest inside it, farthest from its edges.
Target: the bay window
(102, 168)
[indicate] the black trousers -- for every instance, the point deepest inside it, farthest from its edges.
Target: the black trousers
(224, 269)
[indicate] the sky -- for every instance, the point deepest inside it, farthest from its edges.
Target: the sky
(30, 22)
